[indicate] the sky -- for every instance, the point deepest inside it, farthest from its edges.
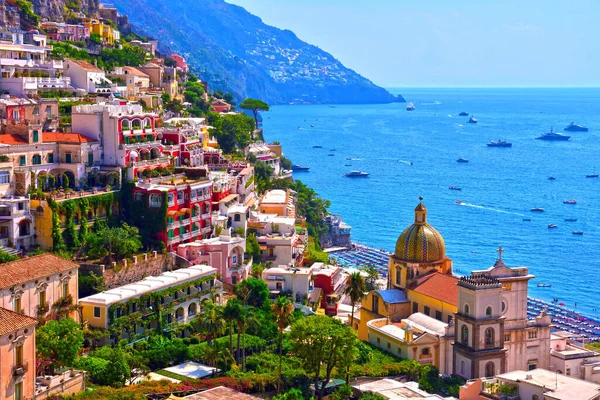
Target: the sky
(454, 43)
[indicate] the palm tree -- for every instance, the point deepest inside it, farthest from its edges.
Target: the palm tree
(247, 319)
(355, 288)
(231, 313)
(282, 308)
(210, 323)
(219, 356)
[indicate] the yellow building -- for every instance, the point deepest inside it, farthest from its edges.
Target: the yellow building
(419, 273)
(105, 31)
(86, 209)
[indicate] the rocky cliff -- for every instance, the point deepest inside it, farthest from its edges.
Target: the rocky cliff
(235, 51)
(57, 10)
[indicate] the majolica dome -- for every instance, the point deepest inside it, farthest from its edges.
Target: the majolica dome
(420, 242)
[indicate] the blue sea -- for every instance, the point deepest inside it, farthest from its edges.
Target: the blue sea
(412, 154)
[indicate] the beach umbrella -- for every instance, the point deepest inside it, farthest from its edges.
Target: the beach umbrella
(561, 304)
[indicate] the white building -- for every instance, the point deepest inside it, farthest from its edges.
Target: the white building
(16, 223)
(298, 281)
(571, 359)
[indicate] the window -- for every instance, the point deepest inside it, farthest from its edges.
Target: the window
(507, 337)
(50, 158)
(489, 337)
(48, 110)
(378, 340)
(426, 310)
(463, 367)
(234, 259)
(133, 307)
(503, 307)
(19, 356)
(4, 177)
(15, 114)
(438, 315)
(415, 307)
(488, 312)
(17, 305)
(233, 280)
(36, 111)
(65, 289)
(42, 298)
(489, 369)
(425, 351)
(278, 286)
(465, 335)
(237, 218)
(68, 158)
(96, 312)
(22, 160)
(179, 197)
(118, 312)
(398, 271)
(36, 136)
(467, 309)
(155, 200)
(36, 160)
(568, 371)
(531, 367)
(138, 196)
(91, 158)
(125, 124)
(376, 304)
(19, 391)
(389, 346)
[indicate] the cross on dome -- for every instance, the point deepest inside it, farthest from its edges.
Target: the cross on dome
(500, 251)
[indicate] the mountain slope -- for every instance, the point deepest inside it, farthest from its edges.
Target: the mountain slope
(234, 50)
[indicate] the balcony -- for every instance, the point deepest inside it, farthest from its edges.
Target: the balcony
(21, 369)
(196, 233)
(174, 224)
(196, 218)
(185, 236)
(149, 163)
(185, 221)
(133, 146)
(206, 216)
(206, 231)
(173, 240)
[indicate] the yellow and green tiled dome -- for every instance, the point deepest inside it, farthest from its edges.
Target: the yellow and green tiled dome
(420, 242)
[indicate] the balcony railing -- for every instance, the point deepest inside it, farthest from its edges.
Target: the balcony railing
(174, 224)
(206, 216)
(196, 218)
(206, 230)
(185, 221)
(196, 233)
(173, 240)
(133, 146)
(21, 369)
(148, 163)
(185, 236)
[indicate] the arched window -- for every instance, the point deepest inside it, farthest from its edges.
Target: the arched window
(125, 124)
(488, 312)
(398, 272)
(138, 196)
(503, 307)
(147, 123)
(136, 124)
(489, 369)
(155, 200)
(465, 335)
(463, 367)
(489, 336)
(170, 197)
(179, 197)
(467, 309)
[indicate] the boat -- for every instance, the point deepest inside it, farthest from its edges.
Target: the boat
(569, 201)
(537, 209)
(296, 167)
(458, 202)
(577, 232)
(573, 127)
(410, 107)
(352, 158)
(330, 155)
(551, 178)
(544, 285)
(527, 219)
(555, 136)
(472, 120)
(552, 226)
(571, 219)
(499, 143)
(357, 174)
(331, 149)
(317, 147)
(463, 114)
(462, 160)
(454, 188)
(594, 175)
(348, 165)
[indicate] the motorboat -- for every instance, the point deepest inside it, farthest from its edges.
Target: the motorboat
(499, 143)
(570, 219)
(537, 209)
(594, 175)
(527, 219)
(544, 285)
(463, 114)
(357, 174)
(458, 202)
(569, 201)
(573, 127)
(552, 226)
(454, 188)
(472, 120)
(352, 158)
(551, 178)
(331, 149)
(554, 136)
(462, 160)
(317, 147)
(577, 233)
(330, 155)
(296, 167)
(410, 107)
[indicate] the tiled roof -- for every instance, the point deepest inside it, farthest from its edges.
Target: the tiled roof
(221, 393)
(86, 65)
(135, 72)
(63, 137)
(8, 138)
(11, 321)
(438, 286)
(31, 268)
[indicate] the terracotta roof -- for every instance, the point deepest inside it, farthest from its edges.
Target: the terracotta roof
(438, 286)
(221, 393)
(135, 71)
(31, 268)
(63, 137)
(11, 321)
(86, 65)
(8, 138)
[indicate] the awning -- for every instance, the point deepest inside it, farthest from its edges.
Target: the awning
(263, 247)
(171, 213)
(185, 210)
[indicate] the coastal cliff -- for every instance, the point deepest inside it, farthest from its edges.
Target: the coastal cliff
(235, 51)
(59, 10)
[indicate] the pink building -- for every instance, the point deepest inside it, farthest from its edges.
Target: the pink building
(224, 253)
(180, 61)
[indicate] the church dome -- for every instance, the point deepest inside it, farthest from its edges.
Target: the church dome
(420, 242)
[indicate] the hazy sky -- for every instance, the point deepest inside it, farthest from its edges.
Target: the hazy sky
(450, 42)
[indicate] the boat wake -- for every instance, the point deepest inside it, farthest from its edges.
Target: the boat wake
(435, 103)
(489, 209)
(405, 162)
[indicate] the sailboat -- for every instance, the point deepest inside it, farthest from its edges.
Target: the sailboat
(594, 175)
(410, 107)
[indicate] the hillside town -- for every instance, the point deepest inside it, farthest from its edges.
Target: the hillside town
(154, 245)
